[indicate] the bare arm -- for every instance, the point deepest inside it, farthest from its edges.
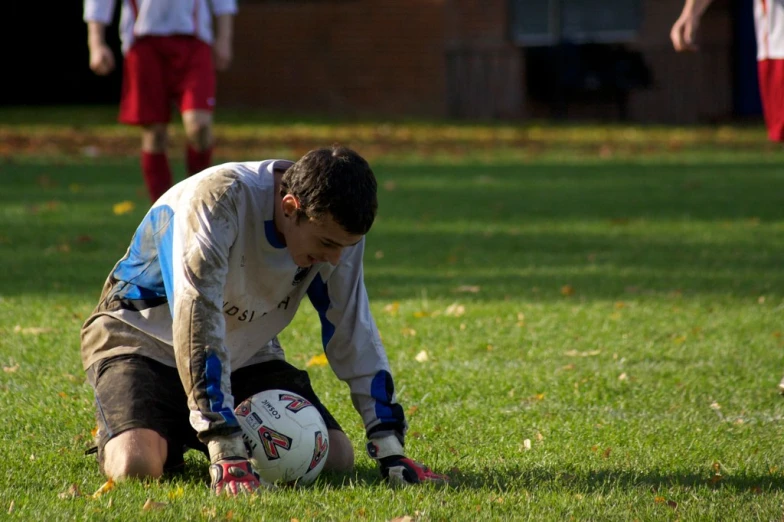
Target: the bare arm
(101, 56)
(684, 30)
(224, 33)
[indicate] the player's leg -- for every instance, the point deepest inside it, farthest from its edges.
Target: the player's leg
(198, 132)
(136, 453)
(146, 102)
(140, 411)
(245, 382)
(771, 84)
(197, 102)
(155, 163)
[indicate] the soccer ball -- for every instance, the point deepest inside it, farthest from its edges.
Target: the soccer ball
(285, 435)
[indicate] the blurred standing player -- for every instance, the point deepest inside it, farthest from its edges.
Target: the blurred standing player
(170, 56)
(769, 25)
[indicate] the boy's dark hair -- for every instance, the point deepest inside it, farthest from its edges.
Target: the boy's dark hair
(336, 182)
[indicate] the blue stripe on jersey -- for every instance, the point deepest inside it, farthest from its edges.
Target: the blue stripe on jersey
(147, 268)
(382, 389)
(319, 296)
(212, 371)
(272, 234)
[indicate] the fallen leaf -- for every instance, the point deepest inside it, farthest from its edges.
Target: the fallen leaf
(150, 505)
(317, 360)
(379, 254)
(422, 357)
(123, 207)
(107, 486)
(607, 452)
(392, 308)
(408, 332)
(421, 313)
(715, 406)
(454, 310)
(11, 369)
(404, 518)
(390, 185)
(412, 410)
(71, 492)
(567, 290)
(623, 377)
(31, 330)
(575, 353)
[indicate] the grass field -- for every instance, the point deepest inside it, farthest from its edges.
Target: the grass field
(586, 335)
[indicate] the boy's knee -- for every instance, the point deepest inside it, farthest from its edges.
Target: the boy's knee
(121, 466)
(200, 136)
(137, 453)
(341, 453)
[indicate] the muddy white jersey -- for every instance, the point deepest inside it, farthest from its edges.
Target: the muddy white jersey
(207, 278)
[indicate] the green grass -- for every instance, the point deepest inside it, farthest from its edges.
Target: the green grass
(624, 315)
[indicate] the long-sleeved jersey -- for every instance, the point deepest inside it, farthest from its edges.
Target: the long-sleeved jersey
(209, 283)
(160, 17)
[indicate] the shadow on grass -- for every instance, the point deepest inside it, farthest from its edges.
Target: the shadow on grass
(521, 231)
(515, 479)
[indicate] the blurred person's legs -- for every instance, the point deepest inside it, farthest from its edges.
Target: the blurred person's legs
(146, 102)
(196, 91)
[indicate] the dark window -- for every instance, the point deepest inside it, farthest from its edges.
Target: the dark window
(547, 22)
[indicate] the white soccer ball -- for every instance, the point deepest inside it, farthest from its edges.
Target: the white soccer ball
(286, 436)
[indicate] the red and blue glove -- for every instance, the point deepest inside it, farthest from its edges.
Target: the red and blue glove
(233, 476)
(396, 468)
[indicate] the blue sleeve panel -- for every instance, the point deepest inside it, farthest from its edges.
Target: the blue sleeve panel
(147, 268)
(319, 297)
(391, 415)
(213, 370)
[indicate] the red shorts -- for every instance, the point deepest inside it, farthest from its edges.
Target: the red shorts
(161, 70)
(771, 84)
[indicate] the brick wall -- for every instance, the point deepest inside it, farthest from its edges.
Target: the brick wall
(436, 58)
(349, 57)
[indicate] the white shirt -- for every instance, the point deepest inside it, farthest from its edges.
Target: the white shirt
(160, 17)
(769, 25)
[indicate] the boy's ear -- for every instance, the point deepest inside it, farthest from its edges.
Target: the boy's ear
(290, 204)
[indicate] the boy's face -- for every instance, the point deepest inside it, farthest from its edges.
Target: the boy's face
(320, 241)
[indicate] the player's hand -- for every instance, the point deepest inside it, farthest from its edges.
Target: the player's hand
(101, 59)
(403, 471)
(684, 32)
(222, 54)
(396, 468)
(233, 476)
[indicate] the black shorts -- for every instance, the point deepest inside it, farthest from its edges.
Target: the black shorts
(133, 391)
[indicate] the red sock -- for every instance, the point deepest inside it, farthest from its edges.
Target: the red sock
(198, 160)
(157, 174)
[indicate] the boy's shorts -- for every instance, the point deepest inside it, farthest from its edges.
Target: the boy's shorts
(133, 391)
(771, 84)
(159, 71)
